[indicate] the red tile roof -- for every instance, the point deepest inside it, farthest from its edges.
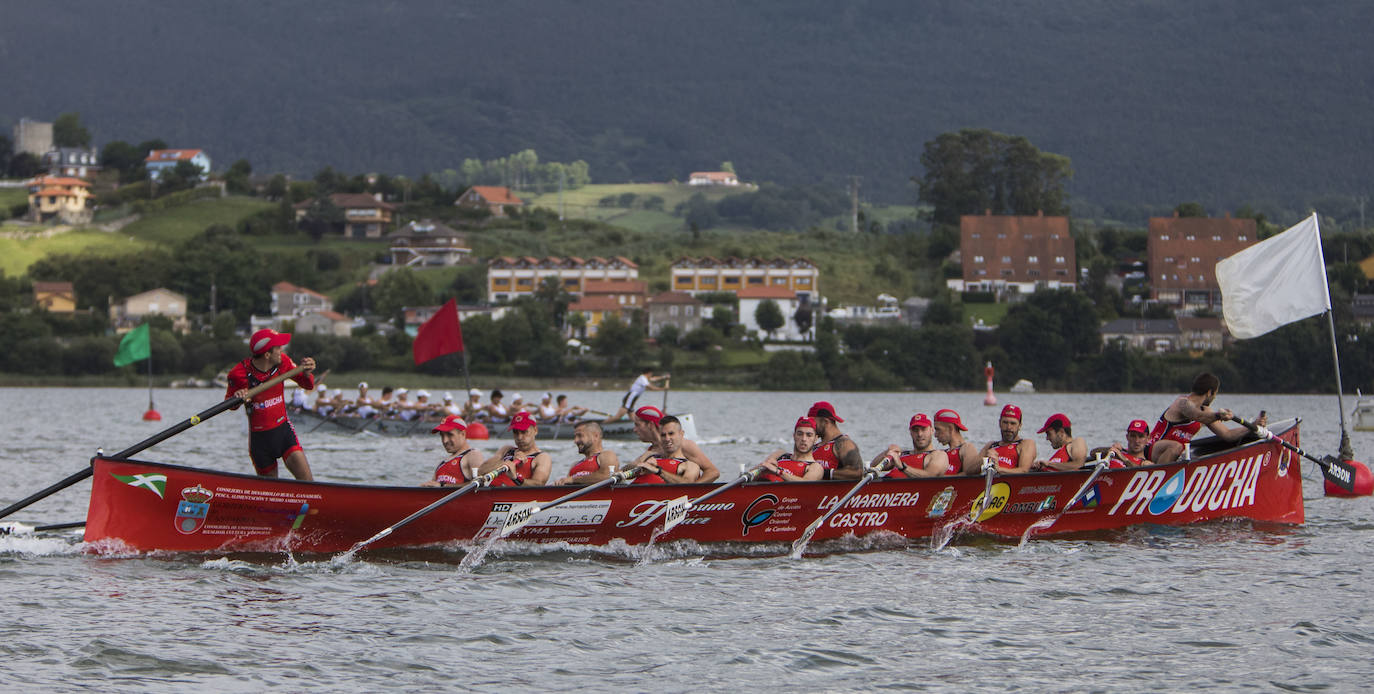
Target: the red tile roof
(335, 316)
(172, 155)
(600, 302)
(58, 181)
(497, 195)
(673, 298)
(288, 288)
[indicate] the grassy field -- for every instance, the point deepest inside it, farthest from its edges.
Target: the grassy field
(9, 197)
(991, 314)
(584, 203)
(17, 254)
(180, 223)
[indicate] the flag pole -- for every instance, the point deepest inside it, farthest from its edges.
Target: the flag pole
(1347, 453)
(152, 415)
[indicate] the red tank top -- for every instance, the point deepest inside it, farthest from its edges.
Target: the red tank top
(956, 462)
(669, 464)
(1007, 455)
(910, 459)
(1061, 455)
(451, 471)
(524, 467)
(585, 467)
(825, 455)
(1133, 460)
(268, 408)
(796, 467)
(1181, 432)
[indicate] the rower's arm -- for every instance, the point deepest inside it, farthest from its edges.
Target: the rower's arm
(851, 465)
(539, 472)
(494, 462)
(693, 452)
(937, 464)
(970, 463)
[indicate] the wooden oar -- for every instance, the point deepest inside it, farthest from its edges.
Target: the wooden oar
(1335, 470)
(799, 545)
(151, 441)
(481, 481)
(521, 514)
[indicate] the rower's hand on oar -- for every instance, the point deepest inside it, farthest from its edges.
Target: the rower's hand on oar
(242, 396)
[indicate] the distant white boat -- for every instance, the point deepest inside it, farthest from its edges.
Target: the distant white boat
(1023, 386)
(1363, 415)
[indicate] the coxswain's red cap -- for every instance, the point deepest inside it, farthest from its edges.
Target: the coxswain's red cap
(807, 422)
(920, 420)
(266, 339)
(450, 423)
(1137, 426)
(950, 417)
(1011, 411)
(1056, 420)
(650, 414)
(823, 409)
(522, 421)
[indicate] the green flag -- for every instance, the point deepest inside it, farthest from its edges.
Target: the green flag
(134, 346)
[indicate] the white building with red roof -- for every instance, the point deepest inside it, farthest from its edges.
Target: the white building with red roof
(290, 301)
(159, 160)
(712, 178)
(511, 277)
(495, 199)
(788, 300)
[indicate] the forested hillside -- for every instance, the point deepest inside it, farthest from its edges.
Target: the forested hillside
(1154, 101)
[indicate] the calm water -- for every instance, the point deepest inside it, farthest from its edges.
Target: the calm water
(1220, 606)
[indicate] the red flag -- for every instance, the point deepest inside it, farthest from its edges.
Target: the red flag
(439, 335)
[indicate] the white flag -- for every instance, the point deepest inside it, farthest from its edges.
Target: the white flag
(1275, 282)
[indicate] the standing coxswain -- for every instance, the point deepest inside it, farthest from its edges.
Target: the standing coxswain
(645, 381)
(270, 434)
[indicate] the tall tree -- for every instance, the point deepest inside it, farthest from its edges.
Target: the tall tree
(768, 316)
(67, 131)
(975, 170)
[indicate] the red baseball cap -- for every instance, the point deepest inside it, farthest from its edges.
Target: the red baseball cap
(920, 420)
(823, 409)
(266, 339)
(650, 414)
(1055, 420)
(1138, 426)
(450, 423)
(1011, 411)
(804, 422)
(950, 417)
(522, 421)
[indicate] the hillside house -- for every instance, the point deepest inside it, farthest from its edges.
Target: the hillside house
(325, 323)
(59, 199)
(596, 309)
(159, 160)
(1202, 334)
(290, 301)
(1151, 335)
(786, 299)
(678, 309)
(54, 297)
(365, 216)
(72, 161)
(426, 242)
(712, 178)
(508, 278)
(128, 314)
(628, 293)
(1010, 255)
(698, 275)
(1183, 254)
(498, 200)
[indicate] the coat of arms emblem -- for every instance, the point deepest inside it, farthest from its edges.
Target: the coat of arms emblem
(192, 509)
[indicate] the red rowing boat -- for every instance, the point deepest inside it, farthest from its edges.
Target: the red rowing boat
(146, 506)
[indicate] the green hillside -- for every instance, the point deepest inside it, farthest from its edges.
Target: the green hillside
(21, 246)
(585, 203)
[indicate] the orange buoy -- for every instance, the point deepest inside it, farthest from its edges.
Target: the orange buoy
(990, 399)
(152, 415)
(1364, 482)
(478, 430)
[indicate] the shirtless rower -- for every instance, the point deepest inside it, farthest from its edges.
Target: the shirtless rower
(463, 462)
(597, 463)
(362, 406)
(647, 421)
(838, 453)
(498, 412)
(566, 412)
(1186, 415)
(666, 463)
(1070, 452)
(799, 465)
(548, 414)
(528, 466)
(473, 409)
(1133, 453)
(962, 453)
(645, 381)
(1013, 454)
(923, 459)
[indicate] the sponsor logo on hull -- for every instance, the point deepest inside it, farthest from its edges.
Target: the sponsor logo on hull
(193, 509)
(1216, 487)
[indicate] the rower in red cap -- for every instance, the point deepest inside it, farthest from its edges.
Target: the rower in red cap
(1012, 453)
(922, 460)
(838, 453)
(464, 461)
(799, 465)
(648, 420)
(963, 454)
(270, 434)
(526, 465)
(1137, 435)
(665, 462)
(1070, 452)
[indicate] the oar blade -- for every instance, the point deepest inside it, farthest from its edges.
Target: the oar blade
(518, 517)
(674, 512)
(1339, 473)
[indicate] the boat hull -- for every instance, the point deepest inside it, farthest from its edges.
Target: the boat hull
(146, 506)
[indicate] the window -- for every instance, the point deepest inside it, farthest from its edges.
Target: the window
(570, 281)
(975, 235)
(1163, 237)
(779, 280)
(1242, 237)
(1059, 259)
(803, 281)
(672, 310)
(1190, 237)
(684, 281)
(1001, 236)
(982, 272)
(1033, 259)
(1195, 259)
(732, 280)
(977, 258)
(1169, 259)
(689, 310)
(1006, 259)
(755, 280)
(524, 282)
(1216, 237)
(1006, 273)
(1034, 273)
(501, 282)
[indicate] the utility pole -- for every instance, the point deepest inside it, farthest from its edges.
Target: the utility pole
(854, 204)
(561, 174)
